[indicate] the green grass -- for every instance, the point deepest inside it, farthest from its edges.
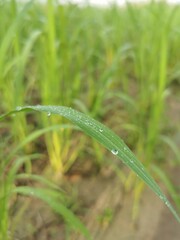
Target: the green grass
(117, 65)
(92, 128)
(108, 139)
(43, 189)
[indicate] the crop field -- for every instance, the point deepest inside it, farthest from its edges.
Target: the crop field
(68, 71)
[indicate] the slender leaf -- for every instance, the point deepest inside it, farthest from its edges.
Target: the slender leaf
(108, 139)
(52, 199)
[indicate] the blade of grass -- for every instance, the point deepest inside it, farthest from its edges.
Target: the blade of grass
(172, 188)
(39, 179)
(108, 139)
(40, 132)
(52, 199)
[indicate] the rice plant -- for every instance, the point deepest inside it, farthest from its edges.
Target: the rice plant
(107, 138)
(11, 172)
(115, 64)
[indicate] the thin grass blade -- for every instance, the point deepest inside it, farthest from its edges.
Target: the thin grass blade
(108, 139)
(52, 199)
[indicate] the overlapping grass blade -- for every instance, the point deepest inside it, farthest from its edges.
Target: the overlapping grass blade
(108, 139)
(40, 132)
(52, 199)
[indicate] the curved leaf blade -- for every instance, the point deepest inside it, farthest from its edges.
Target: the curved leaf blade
(52, 199)
(108, 139)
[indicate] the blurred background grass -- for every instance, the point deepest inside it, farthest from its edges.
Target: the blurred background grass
(119, 65)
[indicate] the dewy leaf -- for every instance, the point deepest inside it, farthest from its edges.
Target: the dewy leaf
(108, 139)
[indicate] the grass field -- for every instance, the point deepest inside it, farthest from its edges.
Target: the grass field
(117, 65)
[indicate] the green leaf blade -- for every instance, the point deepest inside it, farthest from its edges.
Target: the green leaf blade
(52, 199)
(109, 140)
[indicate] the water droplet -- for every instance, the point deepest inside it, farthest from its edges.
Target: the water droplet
(101, 130)
(167, 203)
(18, 108)
(131, 161)
(49, 114)
(86, 122)
(114, 151)
(125, 148)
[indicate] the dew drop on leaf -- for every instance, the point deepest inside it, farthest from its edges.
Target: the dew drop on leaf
(114, 151)
(49, 114)
(18, 108)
